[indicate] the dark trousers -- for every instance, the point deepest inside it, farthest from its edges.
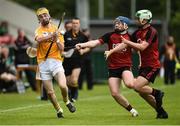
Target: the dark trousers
(31, 79)
(86, 71)
(169, 69)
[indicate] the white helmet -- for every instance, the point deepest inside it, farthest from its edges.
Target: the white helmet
(144, 14)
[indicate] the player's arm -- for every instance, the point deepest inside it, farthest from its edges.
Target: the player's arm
(89, 44)
(84, 50)
(60, 45)
(118, 48)
(142, 45)
(60, 42)
(139, 59)
(49, 37)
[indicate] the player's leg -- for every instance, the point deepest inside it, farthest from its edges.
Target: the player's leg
(115, 92)
(151, 95)
(68, 82)
(52, 97)
(46, 77)
(128, 79)
(74, 83)
(61, 79)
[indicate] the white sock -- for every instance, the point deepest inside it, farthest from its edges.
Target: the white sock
(60, 110)
(67, 102)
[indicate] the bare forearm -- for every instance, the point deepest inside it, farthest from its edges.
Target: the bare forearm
(134, 45)
(119, 48)
(43, 38)
(90, 44)
(60, 46)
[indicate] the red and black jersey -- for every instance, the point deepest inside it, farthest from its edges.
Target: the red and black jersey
(149, 56)
(118, 59)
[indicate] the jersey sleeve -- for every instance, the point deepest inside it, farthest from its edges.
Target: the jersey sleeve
(133, 37)
(105, 38)
(61, 38)
(151, 36)
(37, 33)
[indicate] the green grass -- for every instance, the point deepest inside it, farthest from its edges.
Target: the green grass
(94, 107)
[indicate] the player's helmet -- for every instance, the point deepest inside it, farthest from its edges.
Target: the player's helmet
(42, 10)
(144, 14)
(123, 19)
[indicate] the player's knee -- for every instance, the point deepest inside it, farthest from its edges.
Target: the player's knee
(114, 94)
(130, 85)
(136, 88)
(50, 93)
(74, 82)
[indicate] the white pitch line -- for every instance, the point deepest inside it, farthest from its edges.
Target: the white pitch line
(23, 108)
(40, 105)
(83, 99)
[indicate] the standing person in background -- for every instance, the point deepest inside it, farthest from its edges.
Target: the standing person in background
(169, 52)
(50, 66)
(145, 39)
(119, 63)
(86, 67)
(68, 25)
(21, 57)
(72, 65)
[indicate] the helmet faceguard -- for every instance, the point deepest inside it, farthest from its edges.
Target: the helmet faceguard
(144, 14)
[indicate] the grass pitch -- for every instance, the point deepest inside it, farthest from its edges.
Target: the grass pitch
(95, 107)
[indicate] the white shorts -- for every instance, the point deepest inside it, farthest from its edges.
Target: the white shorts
(49, 68)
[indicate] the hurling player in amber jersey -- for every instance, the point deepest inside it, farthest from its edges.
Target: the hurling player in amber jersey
(145, 39)
(119, 64)
(51, 66)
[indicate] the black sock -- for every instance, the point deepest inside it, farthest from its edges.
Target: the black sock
(129, 107)
(74, 92)
(155, 92)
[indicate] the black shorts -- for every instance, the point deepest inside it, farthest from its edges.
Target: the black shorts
(118, 72)
(71, 63)
(149, 73)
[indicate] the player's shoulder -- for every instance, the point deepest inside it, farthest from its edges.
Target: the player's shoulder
(68, 33)
(153, 29)
(38, 29)
(109, 33)
(53, 26)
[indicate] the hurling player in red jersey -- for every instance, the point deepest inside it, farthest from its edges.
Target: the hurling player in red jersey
(119, 64)
(145, 40)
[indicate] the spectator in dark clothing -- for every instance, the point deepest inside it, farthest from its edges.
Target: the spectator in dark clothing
(170, 58)
(21, 57)
(7, 77)
(86, 67)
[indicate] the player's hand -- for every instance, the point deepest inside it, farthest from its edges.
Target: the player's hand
(107, 54)
(124, 40)
(139, 41)
(81, 52)
(78, 46)
(55, 35)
